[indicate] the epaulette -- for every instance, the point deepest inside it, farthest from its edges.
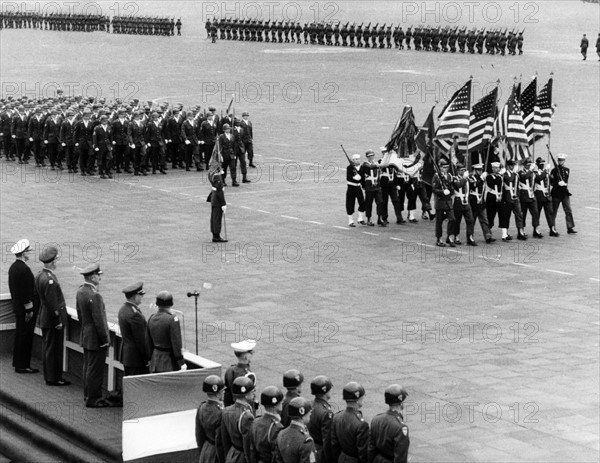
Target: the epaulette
(358, 414)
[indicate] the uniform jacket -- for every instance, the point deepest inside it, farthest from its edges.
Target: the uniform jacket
(350, 435)
(526, 186)
(248, 134)
(234, 371)
(133, 326)
(164, 341)
(102, 138)
(119, 131)
(511, 187)
(264, 438)
(67, 132)
(208, 132)
(18, 125)
(351, 171)
(542, 186)
(285, 417)
(92, 315)
(370, 176)
(188, 132)
(84, 135)
(35, 128)
(21, 286)
(49, 296)
(389, 439)
(443, 202)
(154, 134)
(556, 175)
(136, 133)
(493, 192)
(319, 427)
(227, 146)
(51, 130)
(236, 427)
(238, 140)
(208, 431)
(294, 445)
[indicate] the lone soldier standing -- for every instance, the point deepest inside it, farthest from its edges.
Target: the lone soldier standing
(584, 46)
(236, 422)
(559, 179)
(294, 443)
(349, 430)
(178, 25)
(319, 425)
(53, 318)
(292, 381)
(218, 207)
(243, 351)
(389, 440)
(164, 337)
(208, 421)
(266, 428)
(132, 323)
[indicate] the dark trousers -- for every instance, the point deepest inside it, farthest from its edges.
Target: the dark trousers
(52, 340)
(230, 162)
(461, 211)
(52, 155)
(173, 149)
(479, 213)
(493, 208)
(19, 144)
(249, 147)
(425, 191)
(411, 195)
(104, 161)
(207, 150)
(509, 208)
(354, 194)
(139, 158)
(530, 206)
(134, 371)
(7, 145)
(71, 157)
(37, 151)
(121, 153)
(93, 374)
(546, 205)
(371, 196)
(440, 216)
(242, 162)
(189, 151)
(216, 217)
(155, 157)
(566, 204)
(390, 191)
(23, 341)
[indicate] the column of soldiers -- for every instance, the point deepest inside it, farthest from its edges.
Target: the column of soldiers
(459, 194)
(93, 137)
(444, 39)
(145, 25)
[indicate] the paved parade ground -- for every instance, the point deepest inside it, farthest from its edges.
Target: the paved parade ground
(497, 345)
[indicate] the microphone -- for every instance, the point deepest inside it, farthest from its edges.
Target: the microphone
(194, 293)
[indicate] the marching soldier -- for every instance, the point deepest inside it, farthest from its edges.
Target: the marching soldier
(389, 439)
(370, 173)
(559, 179)
(527, 196)
(50, 136)
(243, 352)
(462, 207)
(164, 337)
(443, 189)
(520, 43)
(266, 428)
(236, 422)
(493, 195)
(132, 323)
(354, 192)
(584, 46)
(319, 425)
(476, 201)
(83, 137)
(409, 35)
(542, 195)
(511, 203)
(349, 430)
(155, 142)
(240, 149)
(294, 443)
(292, 381)
(208, 421)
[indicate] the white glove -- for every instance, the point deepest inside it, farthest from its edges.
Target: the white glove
(1, 134)
(356, 177)
(59, 326)
(14, 136)
(132, 146)
(201, 142)
(187, 142)
(502, 171)
(446, 192)
(183, 367)
(484, 175)
(30, 138)
(64, 144)
(97, 149)
(114, 142)
(45, 142)
(149, 145)
(76, 144)
(466, 175)
(561, 183)
(224, 208)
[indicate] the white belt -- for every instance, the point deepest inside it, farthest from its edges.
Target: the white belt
(353, 184)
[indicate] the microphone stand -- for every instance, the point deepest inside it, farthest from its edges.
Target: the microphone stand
(196, 294)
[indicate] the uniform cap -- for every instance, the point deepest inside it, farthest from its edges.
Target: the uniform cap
(299, 406)
(245, 114)
(353, 391)
(164, 299)
(478, 166)
(212, 108)
(48, 254)
(20, 247)
(91, 269)
(527, 161)
(540, 161)
(213, 384)
(320, 385)
(495, 164)
(226, 126)
(395, 394)
(270, 396)
(133, 289)
(242, 385)
(292, 378)
(244, 346)
(103, 118)
(561, 156)
(459, 166)
(510, 162)
(356, 157)
(443, 163)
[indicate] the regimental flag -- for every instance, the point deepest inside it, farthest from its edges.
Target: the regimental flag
(402, 140)
(481, 122)
(216, 161)
(426, 134)
(528, 103)
(544, 111)
(454, 118)
(509, 123)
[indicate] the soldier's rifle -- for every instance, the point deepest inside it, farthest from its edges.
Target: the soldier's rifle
(555, 164)
(349, 161)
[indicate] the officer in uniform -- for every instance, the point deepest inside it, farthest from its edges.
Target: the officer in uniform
(462, 207)
(444, 190)
(294, 443)
(354, 192)
(389, 439)
(527, 196)
(132, 324)
(164, 337)
(511, 203)
(542, 194)
(53, 318)
(370, 173)
(236, 422)
(243, 351)
(493, 195)
(319, 425)
(248, 137)
(292, 381)
(559, 179)
(218, 206)
(476, 188)
(266, 428)
(95, 337)
(208, 421)
(584, 46)
(102, 146)
(349, 430)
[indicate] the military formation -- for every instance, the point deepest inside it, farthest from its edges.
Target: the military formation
(93, 137)
(140, 25)
(426, 38)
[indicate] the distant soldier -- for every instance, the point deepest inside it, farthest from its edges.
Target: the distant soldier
(520, 43)
(243, 352)
(349, 430)
(178, 26)
(266, 428)
(218, 206)
(598, 46)
(401, 39)
(542, 194)
(559, 179)
(409, 35)
(389, 439)
(294, 443)
(164, 337)
(292, 381)
(319, 425)
(236, 422)
(208, 421)
(584, 46)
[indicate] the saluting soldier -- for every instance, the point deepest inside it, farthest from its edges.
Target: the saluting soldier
(164, 337)
(236, 422)
(208, 421)
(292, 381)
(266, 428)
(294, 443)
(133, 326)
(542, 194)
(349, 430)
(559, 179)
(319, 425)
(527, 196)
(389, 439)
(243, 351)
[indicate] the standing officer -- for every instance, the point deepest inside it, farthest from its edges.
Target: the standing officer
(137, 144)
(35, 127)
(443, 189)
(156, 142)
(132, 323)
(370, 173)
(542, 195)
(294, 443)
(67, 141)
(94, 335)
(354, 192)
(319, 425)
(53, 318)
(102, 146)
(248, 138)
(240, 149)
(218, 207)
(164, 337)
(292, 381)
(83, 137)
(236, 423)
(50, 136)
(266, 428)
(227, 144)
(349, 430)
(21, 284)
(119, 140)
(18, 130)
(559, 179)
(207, 137)
(208, 421)
(389, 440)
(462, 207)
(243, 351)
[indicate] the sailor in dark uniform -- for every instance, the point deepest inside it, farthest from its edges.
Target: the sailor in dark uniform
(243, 351)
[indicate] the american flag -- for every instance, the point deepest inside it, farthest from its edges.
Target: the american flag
(482, 120)
(454, 119)
(544, 111)
(509, 122)
(528, 103)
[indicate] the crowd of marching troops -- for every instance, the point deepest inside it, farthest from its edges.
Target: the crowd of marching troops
(445, 39)
(95, 137)
(141, 25)
(459, 194)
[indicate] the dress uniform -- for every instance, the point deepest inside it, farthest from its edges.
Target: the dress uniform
(493, 194)
(18, 131)
(94, 335)
(67, 141)
(155, 141)
(349, 430)
(21, 283)
(35, 128)
(370, 172)
(527, 196)
(137, 144)
(248, 138)
(462, 208)
(266, 428)
(389, 439)
(294, 444)
(50, 136)
(511, 203)
(83, 136)
(542, 195)
(227, 144)
(443, 190)
(53, 318)
(208, 422)
(119, 129)
(101, 142)
(476, 190)
(239, 149)
(319, 425)
(133, 326)
(388, 179)
(292, 381)
(218, 207)
(164, 337)
(354, 193)
(236, 423)
(559, 179)
(243, 351)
